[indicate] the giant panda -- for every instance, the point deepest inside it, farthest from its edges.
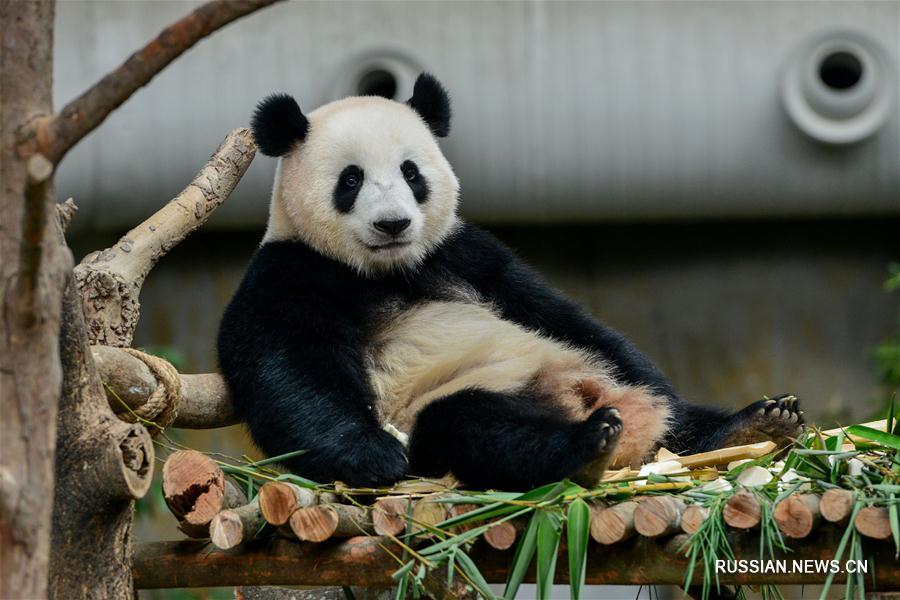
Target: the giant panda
(371, 308)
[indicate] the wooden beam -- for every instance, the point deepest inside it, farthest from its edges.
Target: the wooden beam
(365, 561)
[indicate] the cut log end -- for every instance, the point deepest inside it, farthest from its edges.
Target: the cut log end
(226, 530)
(278, 500)
(321, 522)
(501, 536)
(836, 505)
(797, 515)
(614, 524)
(193, 486)
(389, 515)
(874, 522)
(314, 523)
(658, 515)
(742, 510)
(693, 517)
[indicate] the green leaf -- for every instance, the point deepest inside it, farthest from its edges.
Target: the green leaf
(522, 559)
(549, 529)
(474, 575)
(895, 524)
(578, 526)
(882, 437)
(839, 552)
(891, 426)
(401, 576)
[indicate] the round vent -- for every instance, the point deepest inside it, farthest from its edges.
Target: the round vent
(837, 87)
(386, 72)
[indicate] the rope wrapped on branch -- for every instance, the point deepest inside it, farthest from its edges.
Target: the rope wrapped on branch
(131, 383)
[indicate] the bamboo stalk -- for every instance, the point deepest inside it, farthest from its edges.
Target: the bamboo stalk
(325, 521)
(797, 515)
(726, 455)
(613, 524)
(658, 515)
(279, 499)
(742, 510)
(235, 526)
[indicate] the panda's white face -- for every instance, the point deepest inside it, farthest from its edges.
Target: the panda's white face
(368, 186)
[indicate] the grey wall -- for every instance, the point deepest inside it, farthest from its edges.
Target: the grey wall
(564, 111)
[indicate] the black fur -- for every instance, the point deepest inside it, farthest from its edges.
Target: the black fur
(347, 188)
(432, 102)
(278, 124)
(415, 180)
(291, 348)
(494, 440)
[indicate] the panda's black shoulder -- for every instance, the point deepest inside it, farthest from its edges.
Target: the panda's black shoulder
(478, 257)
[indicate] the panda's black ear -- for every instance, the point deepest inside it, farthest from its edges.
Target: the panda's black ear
(431, 101)
(278, 124)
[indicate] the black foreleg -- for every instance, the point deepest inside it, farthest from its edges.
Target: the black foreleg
(506, 441)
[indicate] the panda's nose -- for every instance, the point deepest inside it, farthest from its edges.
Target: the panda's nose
(392, 227)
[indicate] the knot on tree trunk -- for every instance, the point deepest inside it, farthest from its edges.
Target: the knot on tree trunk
(110, 301)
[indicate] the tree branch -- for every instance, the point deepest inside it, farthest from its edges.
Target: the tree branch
(56, 135)
(110, 280)
(205, 403)
(365, 561)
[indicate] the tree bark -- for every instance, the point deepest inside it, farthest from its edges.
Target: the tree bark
(102, 465)
(32, 277)
(366, 561)
(110, 280)
(205, 403)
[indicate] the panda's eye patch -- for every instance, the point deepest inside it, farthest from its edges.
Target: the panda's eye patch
(347, 188)
(415, 180)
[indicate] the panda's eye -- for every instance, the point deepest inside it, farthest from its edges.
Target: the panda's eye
(351, 180)
(410, 171)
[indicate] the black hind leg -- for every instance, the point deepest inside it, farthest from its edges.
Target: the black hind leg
(498, 440)
(702, 428)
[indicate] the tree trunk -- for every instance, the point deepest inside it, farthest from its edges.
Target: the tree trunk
(102, 465)
(32, 277)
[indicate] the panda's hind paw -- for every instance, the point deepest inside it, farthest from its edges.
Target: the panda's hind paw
(779, 419)
(601, 433)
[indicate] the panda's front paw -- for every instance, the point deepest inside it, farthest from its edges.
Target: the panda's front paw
(376, 460)
(778, 419)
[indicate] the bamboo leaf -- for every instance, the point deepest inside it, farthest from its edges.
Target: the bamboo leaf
(578, 524)
(549, 529)
(401, 576)
(882, 437)
(891, 426)
(839, 553)
(474, 575)
(895, 524)
(522, 559)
